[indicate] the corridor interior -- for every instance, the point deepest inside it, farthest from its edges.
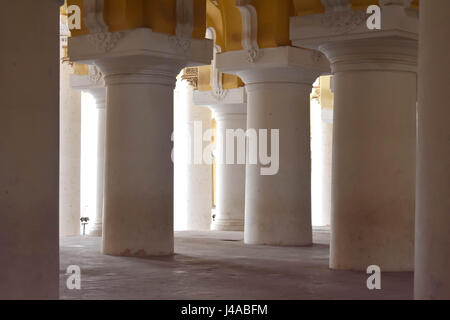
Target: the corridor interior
(224, 149)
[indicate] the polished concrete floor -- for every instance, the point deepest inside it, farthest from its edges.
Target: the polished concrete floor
(217, 265)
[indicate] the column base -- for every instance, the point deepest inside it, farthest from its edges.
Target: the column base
(228, 225)
(138, 254)
(96, 230)
(278, 244)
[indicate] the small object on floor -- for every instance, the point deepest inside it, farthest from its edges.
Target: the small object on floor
(84, 222)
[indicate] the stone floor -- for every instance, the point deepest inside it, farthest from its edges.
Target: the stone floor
(217, 265)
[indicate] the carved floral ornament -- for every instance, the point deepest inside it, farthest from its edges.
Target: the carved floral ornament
(95, 75)
(180, 44)
(191, 76)
(339, 13)
(64, 33)
(340, 17)
(104, 40)
(317, 56)
(344, 21)
(218, 94)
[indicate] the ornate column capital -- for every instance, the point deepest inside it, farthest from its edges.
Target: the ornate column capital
(342, 23)
(93, 83)
(234, 101)
(343, 36)
(387, 54)
(191, 76)
(276, 65)
(140, 55)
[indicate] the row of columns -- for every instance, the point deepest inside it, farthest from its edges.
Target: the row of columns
(138, 171)
(387, 209)
(226, 199)
(374, 148)
(194, 211)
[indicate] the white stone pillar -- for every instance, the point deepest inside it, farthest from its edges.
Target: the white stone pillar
(326, 149)
(139, 171)
(99, 95)
(70, 154)
(432, 258)
(375, 87)
(193, 190)
(140, 79)
(373, 154)
(230, 112)
(322, 134)
(29, 149)
(326, 152)
(279, 84)
(94, 84)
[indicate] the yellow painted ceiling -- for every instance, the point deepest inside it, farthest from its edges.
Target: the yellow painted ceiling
(273, 19)
(222, 15)
(230, 22)
(304, 7)
(159, 15)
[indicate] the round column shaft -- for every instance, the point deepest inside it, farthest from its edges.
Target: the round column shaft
(139, 67)
(29, 149)
(70, 155)
(278, 204)
(99, 95)
(432, 258)
(94, 84)
(326, 147)
(138, 192)
(278, 172)
(193, 202)
(373, 153)
(230, 207)
(322, 136)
